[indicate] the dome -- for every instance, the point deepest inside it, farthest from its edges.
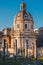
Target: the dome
(23, 14)
(23, 21)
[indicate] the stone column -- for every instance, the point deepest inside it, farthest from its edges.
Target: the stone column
(12, 42)
(21, 45)
(34, 48)
(26, 48)
(16, 46)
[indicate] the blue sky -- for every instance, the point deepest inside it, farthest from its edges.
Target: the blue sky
(9, 8)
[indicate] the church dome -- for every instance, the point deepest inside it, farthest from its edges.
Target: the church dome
(23, 14)
(23, 21)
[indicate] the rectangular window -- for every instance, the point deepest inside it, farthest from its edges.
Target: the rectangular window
(25, 25)
(17, 25)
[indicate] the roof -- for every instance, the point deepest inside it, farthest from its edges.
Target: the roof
(6, 29)
(23, 14)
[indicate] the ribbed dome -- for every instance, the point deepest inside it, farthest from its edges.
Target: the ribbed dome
(23, 14)
(23, 21)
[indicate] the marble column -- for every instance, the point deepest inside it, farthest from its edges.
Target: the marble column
(26, 48)
(34, 48)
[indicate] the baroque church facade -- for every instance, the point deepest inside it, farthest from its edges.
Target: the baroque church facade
(24, 36)
(21, 38)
